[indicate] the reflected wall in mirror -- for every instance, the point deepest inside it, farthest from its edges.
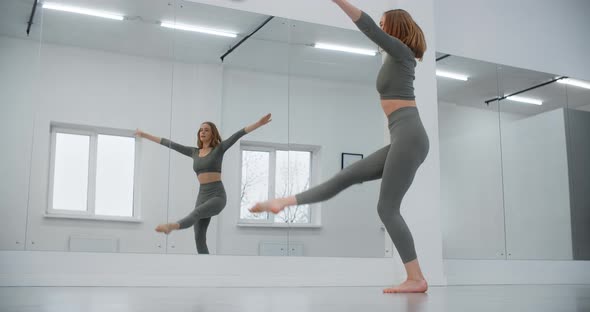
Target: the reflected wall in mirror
(535, 170)
(511, 166)
(250, 83)
(94, 186)
(578, 121)
(334, 109)
(545, 180)
(19, 63)
(103, 187)
(470, 155)
(257, 77)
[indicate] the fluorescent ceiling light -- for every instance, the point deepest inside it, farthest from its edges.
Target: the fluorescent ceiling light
(574, 82)
(525, 100)
(333, 47)
(71, 9)
(210, 31)
(451, 75)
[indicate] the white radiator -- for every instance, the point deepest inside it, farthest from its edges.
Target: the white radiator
(280, 249)
(87, 243)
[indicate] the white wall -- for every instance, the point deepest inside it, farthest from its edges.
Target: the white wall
(542, 35)
(545, 36)
(536, 188)
(471, 183)
(18, 64)
(516, 195)
(103, 89)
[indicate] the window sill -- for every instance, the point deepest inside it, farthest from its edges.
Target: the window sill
(92, 218)
(279, 225)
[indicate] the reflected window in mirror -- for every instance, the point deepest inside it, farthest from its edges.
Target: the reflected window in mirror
(92, 173)
(273, 171)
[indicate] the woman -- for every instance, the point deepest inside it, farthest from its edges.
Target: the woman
(207, 160)
(402, 42)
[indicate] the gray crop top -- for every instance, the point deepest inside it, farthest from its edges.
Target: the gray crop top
(210, 162)
(396, 77)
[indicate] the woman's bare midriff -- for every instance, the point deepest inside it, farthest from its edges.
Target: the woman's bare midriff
(390, 106)
(209, 177)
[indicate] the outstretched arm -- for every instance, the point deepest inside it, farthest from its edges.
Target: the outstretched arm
(365, 24)
(263, 121)
(141, 134)
(185, 150)
(353, 12)
(226, 144)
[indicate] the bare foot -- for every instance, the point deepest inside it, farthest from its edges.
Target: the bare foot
(274, 205)
(409, 286)
(165, 228)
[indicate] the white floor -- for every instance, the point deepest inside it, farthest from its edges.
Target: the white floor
(362, 299)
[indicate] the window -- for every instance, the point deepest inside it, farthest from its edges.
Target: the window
(93, 173)
(273, 171)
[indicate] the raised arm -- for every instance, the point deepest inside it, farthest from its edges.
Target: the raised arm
(353, 12)
(141, 134)
(185, 150)
(226, 144)
(367, 26)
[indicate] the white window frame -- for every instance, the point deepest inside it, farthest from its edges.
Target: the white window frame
(93, 132)
(315, 209)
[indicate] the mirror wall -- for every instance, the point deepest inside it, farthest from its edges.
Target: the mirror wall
(535, 169)
(93, 186)
(77, 177)
(254, 83)
(251, 82)
(470, 155)
(513, 183)
(88, 182)
(19, 63)
(334, 118)
(578, 120)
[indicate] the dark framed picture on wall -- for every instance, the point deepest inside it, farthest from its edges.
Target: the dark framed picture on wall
(349, 158)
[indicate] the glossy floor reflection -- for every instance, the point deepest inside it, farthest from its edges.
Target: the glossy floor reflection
(458, 298)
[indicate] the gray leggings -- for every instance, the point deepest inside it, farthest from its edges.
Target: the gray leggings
(210, 202)
(396, 164)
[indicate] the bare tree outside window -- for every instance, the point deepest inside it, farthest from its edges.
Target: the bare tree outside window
(272, 171)
(255, 183)
(293, 176)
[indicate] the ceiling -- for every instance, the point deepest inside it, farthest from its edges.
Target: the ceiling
(488, 81)
(281, 46)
